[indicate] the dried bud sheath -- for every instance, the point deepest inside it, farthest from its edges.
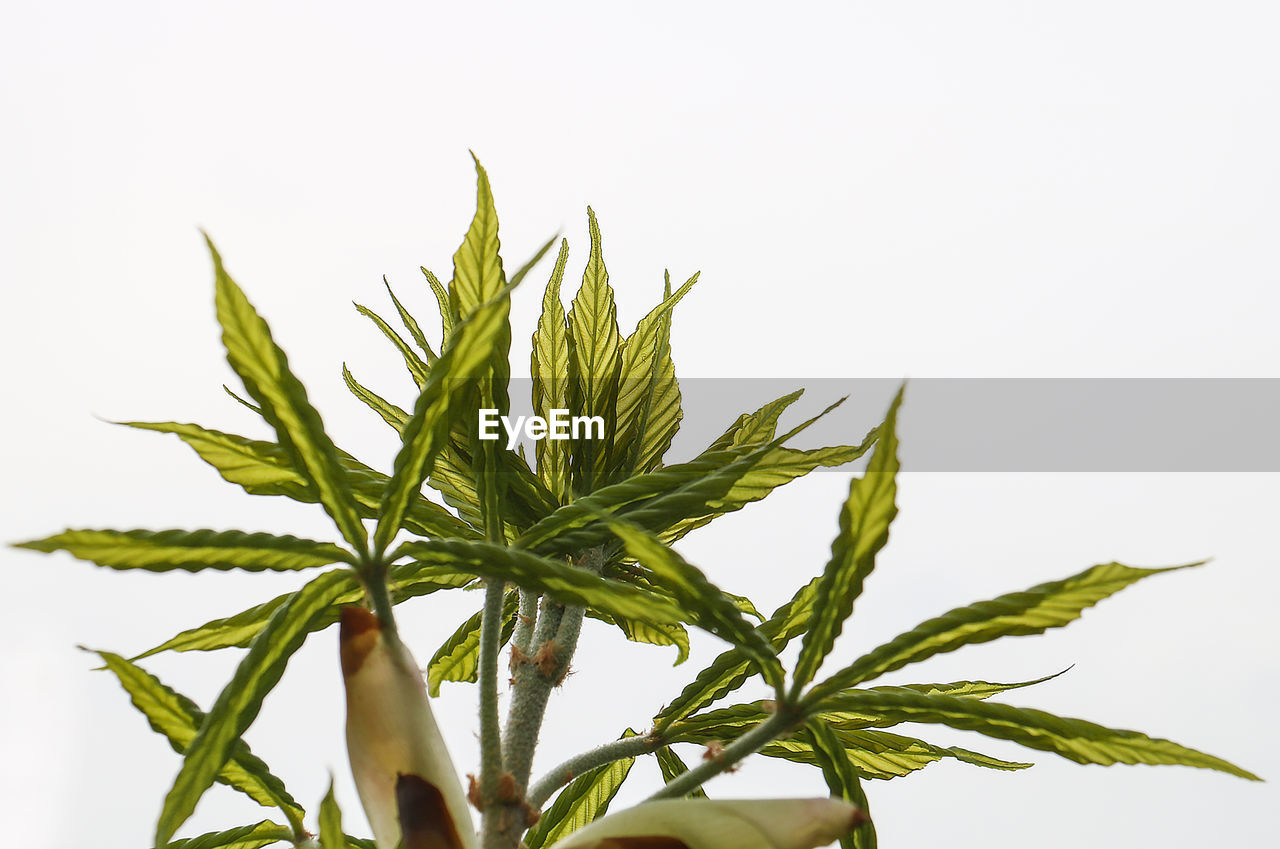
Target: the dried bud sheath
(402, 770)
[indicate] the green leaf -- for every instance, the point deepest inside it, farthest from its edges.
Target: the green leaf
(654, 501)
(524, 270)
(551, 379)
(477, 268)
(708, 607)
(256, 836)
(977, 689)
(584, 801)
(263, 468)
(405, 581)
(731, 669)
(1050, 605)
(238, 704)
(390, 413)
(442, 402)
(242, 401)
(759, 426)
(264, 370)
(442, 298)
(648, 406)
(454, 478)
(417, 368)
(411, 324)
(777, 467)
(177, 718)
(873, 754)
(842, 781)
(331, 833)
(864, 530)
(557, 579)
(881, 755)
(1073, 739)
(458, 659)
(594, 350)
(672, 767)
(161, 551)
(490, 481)
(649, 633)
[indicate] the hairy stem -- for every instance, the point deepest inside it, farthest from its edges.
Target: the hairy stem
(561, 775)
(748, 744)
(536, 669)
(490, 733)
(525, 618)
(554, 640)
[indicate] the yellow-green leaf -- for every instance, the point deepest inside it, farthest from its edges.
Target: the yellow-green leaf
(671, 766)
(1074, 739)
(843, 782)
(443, 401)
(1033, 611)
(177, 718)
(411, 324)
(648, 409)
(594, 348)
(390, 413)
(477, 268)
(581, 803)
(418, 369)
(708, 607)
(551, 379)
(265, 833)
(442, 298)
(458, 658)
(404, 582)
(239, 702)
(331, 833)
(160, 551)
(649, 633)
(263, 468)
(264, 370)
(563, 583)
(864, 530)
(731, 669)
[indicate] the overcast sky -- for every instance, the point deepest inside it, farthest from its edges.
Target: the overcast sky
(927, 189)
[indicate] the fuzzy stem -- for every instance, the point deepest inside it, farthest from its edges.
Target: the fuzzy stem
(627, 747)
(554, 640)
(748, 744)
(529, 695)
(525, 619)
(490, 731)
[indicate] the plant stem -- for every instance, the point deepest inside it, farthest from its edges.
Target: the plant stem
(627, 747)
(748, 744)
(554, 640)
(490, 732)
(525, 619)
(375, 587)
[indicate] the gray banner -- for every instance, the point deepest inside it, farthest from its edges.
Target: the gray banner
(1010, 425)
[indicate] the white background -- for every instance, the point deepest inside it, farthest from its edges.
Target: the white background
(924, 189)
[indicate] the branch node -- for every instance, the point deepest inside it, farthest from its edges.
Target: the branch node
(508, 793)
(547, 660)
(518, 658)
(473, 792)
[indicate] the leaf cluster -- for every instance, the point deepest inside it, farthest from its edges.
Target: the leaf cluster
(456, 511)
